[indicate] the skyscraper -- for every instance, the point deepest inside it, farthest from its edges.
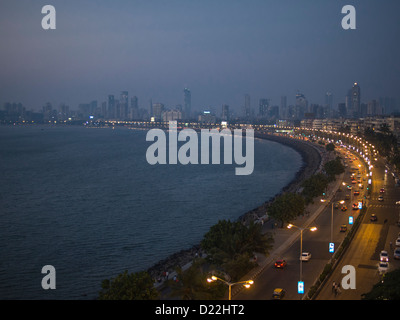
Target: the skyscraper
(263, 108)
(225, 112)
(123, 105)
(134, 108)
(356, 97)
(111, 107)
(353, 101)
(328, 103)
(301, 106)
(187, 103)
(158, 109)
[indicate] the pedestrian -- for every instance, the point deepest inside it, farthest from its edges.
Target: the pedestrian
(333, 286)
(166, 275)
(338, 289)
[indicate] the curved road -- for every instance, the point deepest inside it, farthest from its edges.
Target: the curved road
(315, 242)
(370, 239)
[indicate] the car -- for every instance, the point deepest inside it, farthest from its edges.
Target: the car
(396, 254)
(383, 256)
(305, 256)
(373, 217)
(382, 190)
(353, 181)
(383, 266)
(278, 293)
(347, 197)
(349, 187)
(280, 264)
(398, 242)
(344, 208)
(356, 192)
(380, 198)
(355, 206)
(343, 228)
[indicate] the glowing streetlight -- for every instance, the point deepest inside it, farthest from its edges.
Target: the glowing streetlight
(312, 229)
(246, 284)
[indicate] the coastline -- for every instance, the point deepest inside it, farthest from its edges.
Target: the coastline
(312, 158)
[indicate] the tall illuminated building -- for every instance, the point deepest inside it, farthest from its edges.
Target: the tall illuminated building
(123, 101)
(355, 101)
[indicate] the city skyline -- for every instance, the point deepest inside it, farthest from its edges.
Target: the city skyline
(127, 107)
(220, 51)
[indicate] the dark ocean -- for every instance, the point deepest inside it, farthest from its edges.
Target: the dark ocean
(86, 201)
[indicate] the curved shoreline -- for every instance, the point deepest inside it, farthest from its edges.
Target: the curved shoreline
(311, 158)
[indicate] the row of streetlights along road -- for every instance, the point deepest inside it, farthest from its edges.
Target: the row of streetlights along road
(300, 286)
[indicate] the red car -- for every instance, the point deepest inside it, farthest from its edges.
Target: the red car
(280, 264)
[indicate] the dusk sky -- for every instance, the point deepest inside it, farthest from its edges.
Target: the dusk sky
(220, 49)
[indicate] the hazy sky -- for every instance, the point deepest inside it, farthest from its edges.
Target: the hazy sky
(220, 49)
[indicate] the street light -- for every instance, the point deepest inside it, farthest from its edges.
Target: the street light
(301, 242)
(246, 284)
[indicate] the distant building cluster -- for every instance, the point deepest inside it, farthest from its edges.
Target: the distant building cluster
(126, 108)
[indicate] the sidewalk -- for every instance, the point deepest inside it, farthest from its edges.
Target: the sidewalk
(284, 238)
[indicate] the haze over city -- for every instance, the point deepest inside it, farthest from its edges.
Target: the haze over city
(220, 50)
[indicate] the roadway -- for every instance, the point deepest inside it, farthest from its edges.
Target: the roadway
(317, 243)
(371, 238)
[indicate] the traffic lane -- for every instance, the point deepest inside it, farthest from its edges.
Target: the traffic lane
(364, 250)
(358, 255)
(288, 277)
(317, 243)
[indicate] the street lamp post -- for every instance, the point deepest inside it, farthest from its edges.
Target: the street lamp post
(332, 203)
(246, 284)
(301, 244)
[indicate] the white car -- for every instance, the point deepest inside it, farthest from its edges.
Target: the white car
(306, 256)
(384, 256)
(398, 242)
(383, 266)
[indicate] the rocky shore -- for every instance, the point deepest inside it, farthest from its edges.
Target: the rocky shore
(312, 156)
